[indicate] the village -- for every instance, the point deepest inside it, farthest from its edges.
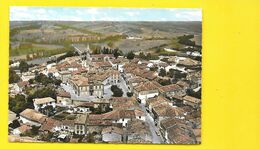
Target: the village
(106, 98)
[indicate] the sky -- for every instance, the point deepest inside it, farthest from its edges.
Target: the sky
(22, 13)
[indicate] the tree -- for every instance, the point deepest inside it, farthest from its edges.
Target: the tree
(15, 124)
(141, 55)
(162, 72)
(43, 92)
(197, 94)
(116, 53)
(18, 103)
(164, 82)
(130, 55)
(153, 68)
(117, 92)
(48, 110)
(129, 94)
(13, 77)
(24, 67)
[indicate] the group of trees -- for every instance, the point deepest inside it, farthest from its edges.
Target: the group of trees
(185, 39)
(117, 92)
(172, 73)
(116, 52)
(164, 82)
(130, 55)
(148, 56)
(43, 92)
(162, 72)
(45, 80)
(24, 66)
(19, 103)
(13, 77)
(68, 54)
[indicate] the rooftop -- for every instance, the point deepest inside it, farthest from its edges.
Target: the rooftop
(43, 100)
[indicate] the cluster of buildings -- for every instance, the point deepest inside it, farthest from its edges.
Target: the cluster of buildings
(86, 111)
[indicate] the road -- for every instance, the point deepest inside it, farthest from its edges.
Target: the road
(123, 86)
(156, 139)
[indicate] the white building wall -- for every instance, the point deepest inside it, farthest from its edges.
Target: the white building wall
(111, 137)
(143, 97)
(25, 120)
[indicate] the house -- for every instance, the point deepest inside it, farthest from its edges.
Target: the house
(107, 77)
(22, 85)
(176, 100)
(103, 65)
(119, 63)
(96, 123)
(80, 124)
(15, 138)
(138, 130)
(113, 77)
(188, 62)
(172, 89)
(50, 125)
(153, 102)
(146, 90)
(63, 98)
(32, 117)
(64, 75)
(27, 76)
(191, 101)
(84, 86)
(112, 134)
(40, 103)
(135, 81)
(11, 116)
(123, 116)
(197, 133)
(175, 131)
(139, 114)
(120, 116)
(123, 103)
(67, 126)
(181, 134)
(167, 123)
(84, 107)
(14, 89)
(163, 111)
(183, 84)
(195, 79)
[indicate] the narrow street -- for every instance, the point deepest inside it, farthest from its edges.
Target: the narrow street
(155, 138)
(123, 86)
